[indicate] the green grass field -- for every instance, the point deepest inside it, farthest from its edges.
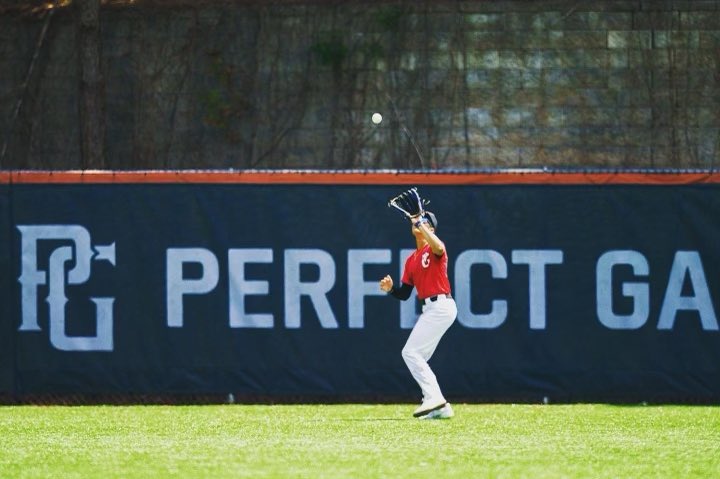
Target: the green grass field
(357, 441)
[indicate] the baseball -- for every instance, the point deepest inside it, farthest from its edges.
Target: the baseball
(376, 118)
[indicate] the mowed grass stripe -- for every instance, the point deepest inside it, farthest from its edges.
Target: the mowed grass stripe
(355, 441)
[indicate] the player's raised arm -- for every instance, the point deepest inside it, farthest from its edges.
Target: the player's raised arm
(426, 224)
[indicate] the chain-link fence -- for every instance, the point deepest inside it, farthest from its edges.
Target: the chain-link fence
(291, 84)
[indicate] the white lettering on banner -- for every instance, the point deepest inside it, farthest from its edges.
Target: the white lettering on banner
(463, 288)
(178, 286)
(687, 263)
(358, 288)
(241, 287)
(639, 292)
(70, 262)
(536, 261)
(31, 278)
(317, 291)
(103, 340)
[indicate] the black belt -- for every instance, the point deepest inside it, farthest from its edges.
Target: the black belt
(435, 298)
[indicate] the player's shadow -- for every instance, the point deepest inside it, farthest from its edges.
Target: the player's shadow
(367, 419)
(373, 419)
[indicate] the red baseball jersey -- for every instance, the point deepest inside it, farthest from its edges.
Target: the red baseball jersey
(427, 272)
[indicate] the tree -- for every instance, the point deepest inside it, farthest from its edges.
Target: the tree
(92, 104)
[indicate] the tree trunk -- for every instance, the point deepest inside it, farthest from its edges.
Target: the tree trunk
(92, 102)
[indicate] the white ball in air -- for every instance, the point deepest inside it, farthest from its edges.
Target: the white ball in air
(376, 118)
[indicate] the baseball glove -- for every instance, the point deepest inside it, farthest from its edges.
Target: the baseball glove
(409, 203)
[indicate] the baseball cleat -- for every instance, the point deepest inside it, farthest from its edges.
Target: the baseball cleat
(428, 406)
(445, 412)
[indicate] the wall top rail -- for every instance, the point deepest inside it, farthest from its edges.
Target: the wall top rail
(363, 177)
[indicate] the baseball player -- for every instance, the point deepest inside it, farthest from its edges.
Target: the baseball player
(426, 270)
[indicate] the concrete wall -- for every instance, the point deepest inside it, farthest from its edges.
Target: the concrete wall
(471, 84)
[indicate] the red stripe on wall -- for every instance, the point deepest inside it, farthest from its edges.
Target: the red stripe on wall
(531, 177)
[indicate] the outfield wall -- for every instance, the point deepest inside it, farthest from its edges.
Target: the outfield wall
(570, 286)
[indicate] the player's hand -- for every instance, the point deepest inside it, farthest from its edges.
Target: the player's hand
(386, 284)
(416, 218)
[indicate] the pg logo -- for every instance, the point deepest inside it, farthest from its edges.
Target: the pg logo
(67, 265)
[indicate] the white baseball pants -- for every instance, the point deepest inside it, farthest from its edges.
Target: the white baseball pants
(431, 325)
